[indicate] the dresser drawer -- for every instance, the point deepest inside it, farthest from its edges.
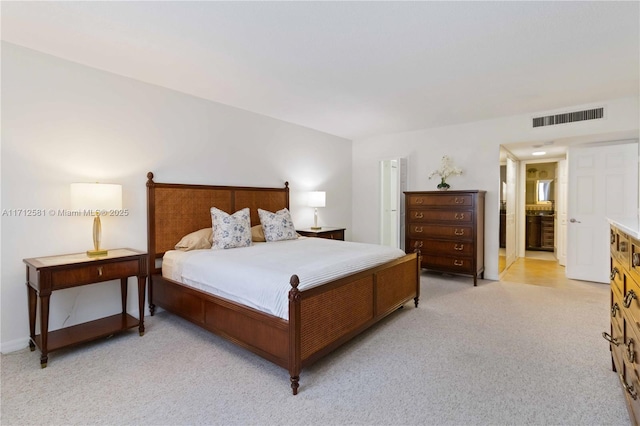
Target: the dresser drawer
(617, 316)
(425, 215)
(631, 303)
(634, 261)
(93, 273)
(452, 264)
(449, 248)
(622, 249)
(457, 200)
(617, 277)
(453, 232)
(617, 336)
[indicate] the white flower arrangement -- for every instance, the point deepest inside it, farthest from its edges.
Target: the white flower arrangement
(446, 169)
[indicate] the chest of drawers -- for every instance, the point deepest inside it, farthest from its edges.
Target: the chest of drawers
(624, 333)
(448, 229)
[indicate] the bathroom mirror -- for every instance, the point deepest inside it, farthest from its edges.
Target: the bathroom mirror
(544, 191)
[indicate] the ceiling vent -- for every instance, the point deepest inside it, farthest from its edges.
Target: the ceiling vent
(569, 117)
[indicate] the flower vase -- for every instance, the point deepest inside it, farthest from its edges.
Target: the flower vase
(443, 186)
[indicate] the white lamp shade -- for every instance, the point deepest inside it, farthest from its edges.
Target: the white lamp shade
(96, 196)
(317, 199)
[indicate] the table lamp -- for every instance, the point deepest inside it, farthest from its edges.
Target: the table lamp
(96, 198)
(316, 199)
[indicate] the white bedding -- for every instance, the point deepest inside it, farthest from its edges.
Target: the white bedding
(258, 276)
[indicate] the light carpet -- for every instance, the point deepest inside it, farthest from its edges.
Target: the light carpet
(497, 354)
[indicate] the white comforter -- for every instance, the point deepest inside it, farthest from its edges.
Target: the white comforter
(258, 276)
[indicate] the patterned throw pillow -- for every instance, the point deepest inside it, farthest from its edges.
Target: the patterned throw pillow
(277, 226)
(230, 231)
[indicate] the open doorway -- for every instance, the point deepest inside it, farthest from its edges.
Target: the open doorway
(530, 240)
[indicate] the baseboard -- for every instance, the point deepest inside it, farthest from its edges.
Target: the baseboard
(14, 345)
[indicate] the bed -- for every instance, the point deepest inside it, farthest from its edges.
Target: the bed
(317, 318)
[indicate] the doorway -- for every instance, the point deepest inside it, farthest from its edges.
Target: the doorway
(393, 183)
(530, 201)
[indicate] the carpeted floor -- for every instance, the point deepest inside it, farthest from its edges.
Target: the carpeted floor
(498, 354)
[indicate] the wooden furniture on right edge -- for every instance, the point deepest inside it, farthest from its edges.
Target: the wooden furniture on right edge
(624, 333)
(448, 228)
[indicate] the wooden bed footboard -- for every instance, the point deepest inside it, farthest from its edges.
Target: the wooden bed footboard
(323, 318)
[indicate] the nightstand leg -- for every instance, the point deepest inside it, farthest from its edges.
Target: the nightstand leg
(141, 287)
(33, 304)
(123, 294)
(44, 329)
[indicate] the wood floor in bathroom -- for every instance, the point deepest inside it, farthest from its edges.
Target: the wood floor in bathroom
(535, 271)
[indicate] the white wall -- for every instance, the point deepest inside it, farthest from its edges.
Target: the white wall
(63, 122)
(474, 147)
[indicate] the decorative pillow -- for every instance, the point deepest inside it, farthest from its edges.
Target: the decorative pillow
(230, 231)
(257, 234)
(277, 226)
(196, 240)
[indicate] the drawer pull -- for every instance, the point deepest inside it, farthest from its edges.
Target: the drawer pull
(459, 216)
(606, 336)
(417, 244)
(419, 201)
(635, 260)
(614, 271)
(99, 271)
(458, 247)
(458, 231)
(631, 354)
(459, 200)
(614, 309)
(458, 262)
(419, 229)
(628, 298)
(419, 215)
(613, 237)
(629, 388)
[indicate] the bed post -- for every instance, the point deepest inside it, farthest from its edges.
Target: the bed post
(151, 238)
(294, 333)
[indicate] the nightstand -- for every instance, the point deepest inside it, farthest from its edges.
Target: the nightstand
(324, 232)
(47, 274)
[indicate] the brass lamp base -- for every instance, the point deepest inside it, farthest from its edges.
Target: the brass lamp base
(97, 236)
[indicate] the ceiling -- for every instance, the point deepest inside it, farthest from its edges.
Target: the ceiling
(353, 69)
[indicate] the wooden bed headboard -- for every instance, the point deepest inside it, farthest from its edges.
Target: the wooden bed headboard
(174, 210)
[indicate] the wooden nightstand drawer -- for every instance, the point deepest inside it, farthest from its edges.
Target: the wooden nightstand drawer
(93, 274)
(327, 233)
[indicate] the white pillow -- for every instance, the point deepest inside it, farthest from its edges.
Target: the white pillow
(196, 240)
(277, 226)
(230, 231)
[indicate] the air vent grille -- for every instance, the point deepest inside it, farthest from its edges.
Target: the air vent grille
(569, 117)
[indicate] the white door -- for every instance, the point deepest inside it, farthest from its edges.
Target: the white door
(603, 182)
(511, 196)
(561, 213)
